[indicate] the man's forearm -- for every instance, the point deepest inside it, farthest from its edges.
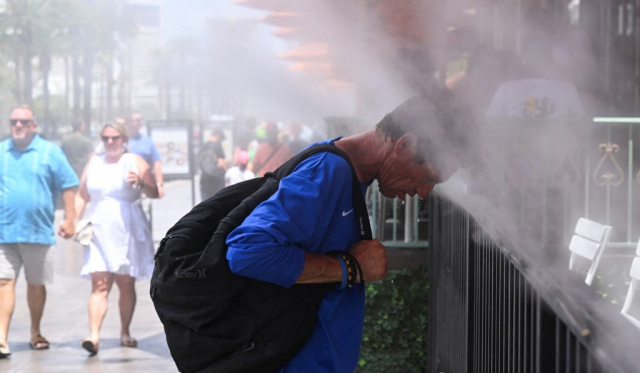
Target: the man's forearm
(320, 269)
(68, 199)
(371, 257)
(157, 171)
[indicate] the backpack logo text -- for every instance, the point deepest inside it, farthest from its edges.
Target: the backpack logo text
(197, 274)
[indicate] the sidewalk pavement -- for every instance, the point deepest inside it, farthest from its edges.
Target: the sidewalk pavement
(65, 320)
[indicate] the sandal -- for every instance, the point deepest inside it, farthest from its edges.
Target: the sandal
(4, 351)
(128, 342)
(91, 346)
(39, 342)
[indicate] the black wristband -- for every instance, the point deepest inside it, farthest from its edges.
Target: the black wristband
(353, 267)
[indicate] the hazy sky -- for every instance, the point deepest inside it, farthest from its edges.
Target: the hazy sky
(187, 18)
(269, 80)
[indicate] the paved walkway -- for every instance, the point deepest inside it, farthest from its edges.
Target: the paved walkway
(65, 320)
(65, 323)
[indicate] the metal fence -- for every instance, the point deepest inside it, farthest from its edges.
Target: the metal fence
(494, 307)
(398, 223)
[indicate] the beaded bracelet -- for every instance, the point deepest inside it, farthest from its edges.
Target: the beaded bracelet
(350, 269)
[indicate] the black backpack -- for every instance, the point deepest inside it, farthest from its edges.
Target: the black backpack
(216, 321)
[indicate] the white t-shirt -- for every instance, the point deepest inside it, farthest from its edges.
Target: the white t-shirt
(536, 98)
(234, 175)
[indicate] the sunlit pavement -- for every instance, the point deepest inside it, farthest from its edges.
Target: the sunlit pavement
(65, 320)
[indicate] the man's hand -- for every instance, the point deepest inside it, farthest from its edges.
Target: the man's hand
(160, 190)
(67, 229)
(372, 256)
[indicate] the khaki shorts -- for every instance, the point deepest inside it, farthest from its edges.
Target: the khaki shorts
(37, 260)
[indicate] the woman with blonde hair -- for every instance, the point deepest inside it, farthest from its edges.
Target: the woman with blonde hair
(121, 248)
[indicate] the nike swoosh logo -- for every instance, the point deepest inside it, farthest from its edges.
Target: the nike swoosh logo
(345, 213)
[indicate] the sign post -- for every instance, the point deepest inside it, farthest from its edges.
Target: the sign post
(174, 141)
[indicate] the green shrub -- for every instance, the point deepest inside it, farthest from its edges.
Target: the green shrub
(395, 324)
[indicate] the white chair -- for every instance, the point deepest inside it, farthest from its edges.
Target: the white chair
(589, 241)
(633, 288)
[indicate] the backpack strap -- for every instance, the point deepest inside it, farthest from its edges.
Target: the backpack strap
(238, 214)
(275, 150)
(359, 204)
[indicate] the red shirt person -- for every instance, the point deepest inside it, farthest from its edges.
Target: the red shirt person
(272, 153)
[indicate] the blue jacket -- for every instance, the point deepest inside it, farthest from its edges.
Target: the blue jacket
(311, 211)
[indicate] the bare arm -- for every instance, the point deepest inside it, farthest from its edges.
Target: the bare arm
(82, 196)
(144, 179)
(67, 227)
(323, 268)
(157, 171)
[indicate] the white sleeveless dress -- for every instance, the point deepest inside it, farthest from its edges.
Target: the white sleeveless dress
(122, 241)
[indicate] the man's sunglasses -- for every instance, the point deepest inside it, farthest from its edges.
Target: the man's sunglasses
(113, 138)
(25, 122)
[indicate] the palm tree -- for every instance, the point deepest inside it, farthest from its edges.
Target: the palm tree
(109, 24)
(116, 25)
(83, 30)
(178, 55)
(33, 28)
(50, 38)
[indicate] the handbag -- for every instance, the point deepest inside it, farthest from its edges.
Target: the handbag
(84, 232)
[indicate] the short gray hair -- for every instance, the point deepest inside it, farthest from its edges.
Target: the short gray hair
(443, 125)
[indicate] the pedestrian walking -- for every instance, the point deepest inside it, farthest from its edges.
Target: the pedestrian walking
(77, 147)
(141, 144)
(121, 249)
(212, 164)
(272, 152)
(239, 172)
(33, 173)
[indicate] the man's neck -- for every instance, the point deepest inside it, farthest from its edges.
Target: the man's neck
(23, 144)
(367, 152)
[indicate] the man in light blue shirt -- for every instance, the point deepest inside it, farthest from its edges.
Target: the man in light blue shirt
(33, 173)
(143, 145)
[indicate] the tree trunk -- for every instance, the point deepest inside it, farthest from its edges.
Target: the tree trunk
(18, 90)
(182, 94)
(168, 101)
(76, 87)
(67, 86)
(87, 68)
(122, 84)
(26, 64)
(109, 72)
(183, 63)
(45, 66)
(26, 69)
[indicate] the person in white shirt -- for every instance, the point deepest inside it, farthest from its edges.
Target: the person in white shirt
(239, 172)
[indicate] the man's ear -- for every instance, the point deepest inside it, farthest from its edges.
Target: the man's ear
(407, 145)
